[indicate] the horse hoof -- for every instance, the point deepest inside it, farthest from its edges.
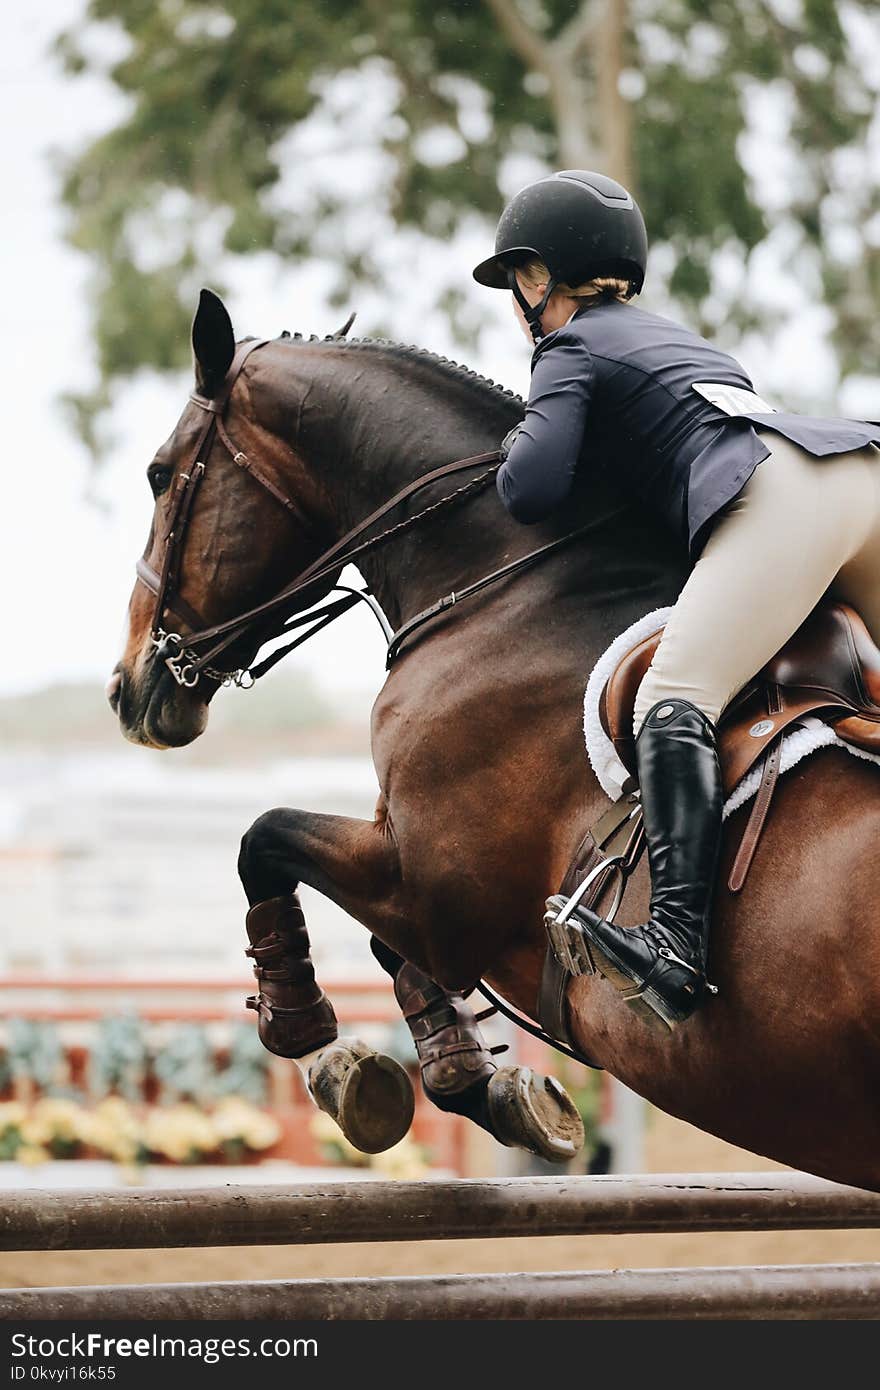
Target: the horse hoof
(368, 1094)
(533, 1112)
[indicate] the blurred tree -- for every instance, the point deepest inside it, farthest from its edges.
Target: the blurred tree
(243, 117)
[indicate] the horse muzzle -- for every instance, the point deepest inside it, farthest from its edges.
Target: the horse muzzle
(153, 709)
(113, 689)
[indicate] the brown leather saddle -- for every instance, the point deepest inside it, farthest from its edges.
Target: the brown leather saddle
(829, 669)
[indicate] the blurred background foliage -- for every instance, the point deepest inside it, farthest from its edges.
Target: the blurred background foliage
(243, 121)
(123, 1059)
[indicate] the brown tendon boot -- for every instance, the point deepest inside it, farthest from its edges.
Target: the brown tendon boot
(296, 1017)
(452, 1053)
(517, 1106)
(368, 1094)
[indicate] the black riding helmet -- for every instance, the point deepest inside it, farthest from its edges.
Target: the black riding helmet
(580, 224)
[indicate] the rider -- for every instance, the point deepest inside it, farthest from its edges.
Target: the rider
(617, 388)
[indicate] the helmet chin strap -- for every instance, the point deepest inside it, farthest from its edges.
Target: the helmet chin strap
(531, 312)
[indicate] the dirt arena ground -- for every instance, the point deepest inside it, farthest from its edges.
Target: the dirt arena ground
(671, 1147)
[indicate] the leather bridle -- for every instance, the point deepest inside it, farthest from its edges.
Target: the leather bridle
(190, 658)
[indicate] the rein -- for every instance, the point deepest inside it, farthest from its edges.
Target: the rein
(181, 654)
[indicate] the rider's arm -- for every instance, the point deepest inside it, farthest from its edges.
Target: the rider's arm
(539, 469)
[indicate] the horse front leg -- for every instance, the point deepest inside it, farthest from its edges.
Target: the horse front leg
(355, 863)
(368, 1094)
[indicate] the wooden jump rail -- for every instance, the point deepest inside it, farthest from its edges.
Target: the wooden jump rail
(385, 1211)
(465, 1209)
(774, 1291)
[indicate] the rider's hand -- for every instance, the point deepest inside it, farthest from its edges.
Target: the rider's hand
(508, 441)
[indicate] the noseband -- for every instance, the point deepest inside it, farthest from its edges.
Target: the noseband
(184, 656)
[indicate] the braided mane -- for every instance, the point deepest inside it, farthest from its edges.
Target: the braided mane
(408, 353)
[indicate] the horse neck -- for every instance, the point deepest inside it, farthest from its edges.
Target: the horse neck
(377, 420)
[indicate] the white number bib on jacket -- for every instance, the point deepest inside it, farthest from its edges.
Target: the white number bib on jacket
(733, 400)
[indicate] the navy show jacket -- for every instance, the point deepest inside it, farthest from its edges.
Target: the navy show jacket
(612, 390)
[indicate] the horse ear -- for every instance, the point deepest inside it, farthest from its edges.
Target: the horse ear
(213, 342)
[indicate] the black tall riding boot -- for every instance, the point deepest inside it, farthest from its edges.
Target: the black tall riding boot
(664, 962)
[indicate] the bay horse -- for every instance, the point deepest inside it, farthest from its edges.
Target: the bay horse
(477, 742)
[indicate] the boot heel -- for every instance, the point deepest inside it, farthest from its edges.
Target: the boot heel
(636, 990)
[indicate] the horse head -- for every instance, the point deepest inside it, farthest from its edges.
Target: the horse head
(218, 543)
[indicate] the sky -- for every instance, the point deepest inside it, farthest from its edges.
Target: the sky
(66, 562)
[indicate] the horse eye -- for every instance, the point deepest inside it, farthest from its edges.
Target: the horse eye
(159, 479)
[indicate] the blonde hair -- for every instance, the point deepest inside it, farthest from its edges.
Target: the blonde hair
(597, 290)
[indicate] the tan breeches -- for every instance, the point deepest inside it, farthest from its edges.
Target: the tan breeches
(800, 526)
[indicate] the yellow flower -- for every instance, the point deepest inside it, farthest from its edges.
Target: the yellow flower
(52, 1118)
(113, 1129)
(179, 1132)
(31, 1155)
(117, 1117)
(404, 1161)
(116, 1130)
(238, 1119)
(12, 1114)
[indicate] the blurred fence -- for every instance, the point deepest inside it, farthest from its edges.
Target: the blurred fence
(162, 1041)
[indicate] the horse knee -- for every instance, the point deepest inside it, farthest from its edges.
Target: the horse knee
(264, 859)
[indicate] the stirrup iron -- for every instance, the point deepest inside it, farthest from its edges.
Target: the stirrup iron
(567, 940)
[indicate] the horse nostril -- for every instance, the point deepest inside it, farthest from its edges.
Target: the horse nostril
(113, 690)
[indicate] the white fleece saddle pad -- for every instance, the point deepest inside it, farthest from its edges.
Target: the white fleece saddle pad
(612, 774)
